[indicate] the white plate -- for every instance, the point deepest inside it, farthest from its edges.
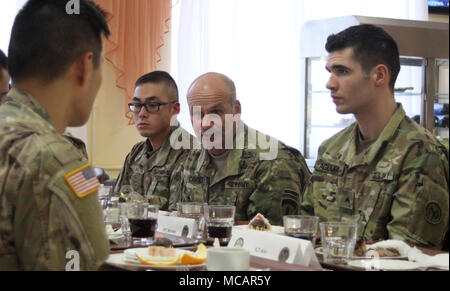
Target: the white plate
(319, 251)
(127, 260)
(386, 265)
(275, 229)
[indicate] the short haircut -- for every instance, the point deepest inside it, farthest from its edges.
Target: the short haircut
(371, 46)
(46, 40)
(157, 77)
(3, 61)
(226, 81)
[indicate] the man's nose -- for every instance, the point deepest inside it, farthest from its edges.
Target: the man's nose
(331, 84)
(143, 112)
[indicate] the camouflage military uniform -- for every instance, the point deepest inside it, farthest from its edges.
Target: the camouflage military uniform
(150, 174)
(397, 188)
(78, 143)
(41, 218)
(271, 187)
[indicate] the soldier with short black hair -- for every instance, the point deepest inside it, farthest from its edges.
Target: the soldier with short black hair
(385, 171)
(50, 215)
(148, 168)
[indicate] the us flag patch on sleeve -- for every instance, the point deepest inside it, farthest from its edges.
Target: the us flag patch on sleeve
(83, 181)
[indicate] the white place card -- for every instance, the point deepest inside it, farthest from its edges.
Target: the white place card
(179, 226)
(275, 247)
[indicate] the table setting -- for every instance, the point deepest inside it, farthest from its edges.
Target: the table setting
(201, 237)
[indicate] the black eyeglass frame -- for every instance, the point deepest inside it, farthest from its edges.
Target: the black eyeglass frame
(146, 106)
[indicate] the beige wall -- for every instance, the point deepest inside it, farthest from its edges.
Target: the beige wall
(107, 135)
(438, 17)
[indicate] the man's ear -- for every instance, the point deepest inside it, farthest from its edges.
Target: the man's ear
(176, 108)
(83, 67)
(380, 75)
(237, 107)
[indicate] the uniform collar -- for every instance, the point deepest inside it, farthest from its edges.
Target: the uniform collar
(163, 152)
(235, 155)
(29, 103)
(368, 155)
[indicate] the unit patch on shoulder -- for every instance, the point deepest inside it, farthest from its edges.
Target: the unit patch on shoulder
(83, 181)
(433, 213)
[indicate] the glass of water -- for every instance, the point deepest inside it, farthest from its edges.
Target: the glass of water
(338, 241)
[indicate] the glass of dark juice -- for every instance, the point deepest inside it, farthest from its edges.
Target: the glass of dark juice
(143, 222)
(219, 223)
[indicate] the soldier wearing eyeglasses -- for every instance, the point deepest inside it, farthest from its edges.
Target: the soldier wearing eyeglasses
(147, 170)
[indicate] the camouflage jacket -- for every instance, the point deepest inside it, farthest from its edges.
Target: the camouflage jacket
(395, 189)
(151, 176)
(271, 187)
(42, 220)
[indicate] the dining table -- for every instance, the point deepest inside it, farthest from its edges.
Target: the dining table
(118, 246)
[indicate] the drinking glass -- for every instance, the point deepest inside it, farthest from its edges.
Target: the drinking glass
(219, 222)
(143, 220)
(194, 210)
(123, 219)
(338, 241)
(301, 226)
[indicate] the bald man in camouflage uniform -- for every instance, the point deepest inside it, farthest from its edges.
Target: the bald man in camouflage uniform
(245, 176)
(148, 168)
(50, 216)
(385, 172)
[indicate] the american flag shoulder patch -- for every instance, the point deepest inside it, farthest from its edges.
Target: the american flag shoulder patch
(83, 181)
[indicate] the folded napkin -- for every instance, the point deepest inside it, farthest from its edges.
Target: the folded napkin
(438, 261)
(110, 231)
(414, 255)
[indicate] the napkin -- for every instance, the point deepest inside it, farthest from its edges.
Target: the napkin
(110, 231)
(414, 255)
(438, 261)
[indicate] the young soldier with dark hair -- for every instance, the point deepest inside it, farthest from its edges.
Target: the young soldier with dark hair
(385, 171)
(148, 168)
(50, 216)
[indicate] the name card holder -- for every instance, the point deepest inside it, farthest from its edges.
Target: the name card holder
(180, 226)
(275, 247)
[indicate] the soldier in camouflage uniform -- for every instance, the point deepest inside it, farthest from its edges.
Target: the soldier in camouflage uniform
(148, 168)
(238, 175)
(50, 219)
(385, 172)
(4, 77)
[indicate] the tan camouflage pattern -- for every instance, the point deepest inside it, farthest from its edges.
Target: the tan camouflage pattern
(41, 219)
(270, 187)
(78, 143)
(151, 177)
(395, 189)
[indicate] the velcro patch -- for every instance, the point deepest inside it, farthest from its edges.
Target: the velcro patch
(83, 181)
(433, 213)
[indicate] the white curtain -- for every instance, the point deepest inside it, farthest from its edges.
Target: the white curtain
(8, 11)
(257, 44)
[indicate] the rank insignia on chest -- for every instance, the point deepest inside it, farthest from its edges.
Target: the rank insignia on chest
(83, 181)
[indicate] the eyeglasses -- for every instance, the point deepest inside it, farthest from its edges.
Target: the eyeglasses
(152, 107)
